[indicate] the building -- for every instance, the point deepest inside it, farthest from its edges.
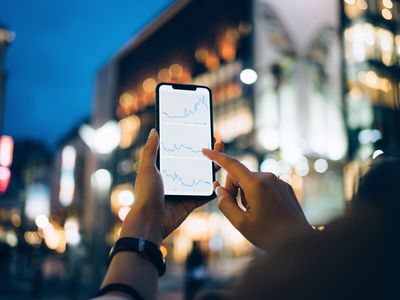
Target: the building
(6, 37)
(370, 32)
(277, 104)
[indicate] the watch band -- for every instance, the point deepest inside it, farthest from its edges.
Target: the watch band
(140, 245)
(120, 287)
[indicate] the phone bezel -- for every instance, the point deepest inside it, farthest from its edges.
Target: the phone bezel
(190, 87)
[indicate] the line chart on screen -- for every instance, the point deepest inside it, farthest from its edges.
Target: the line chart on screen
(180, 150)
(196, 112)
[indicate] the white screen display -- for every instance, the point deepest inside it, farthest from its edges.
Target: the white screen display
(185, 129)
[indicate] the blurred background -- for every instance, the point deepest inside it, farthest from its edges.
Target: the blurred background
(307, 90)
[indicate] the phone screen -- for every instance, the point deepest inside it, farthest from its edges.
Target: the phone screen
(185, 127)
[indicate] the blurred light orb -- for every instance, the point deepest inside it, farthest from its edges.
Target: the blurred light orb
(73, 237)
(321, 165)
(284, 168)
(176, 70)
(6, 150)
(377, 153)
(11, 239)
(270, 165)
(5, 173)
(126, 198)
(16, 219)
(387, 3)
(32, 238)
(107, 137)
(268, 138)
(52, 239)
(164, 75)
(102, 179)
(248, 76)
(41, 221)
(102, 140)
(149, 85)
(362, 4)
(126, 100)
(37, 200)
(123, 212)
(291, 154)
(369, 136)
(302, 168)
(71, 224)
(387, 14)
(250, 161)
(68, 157)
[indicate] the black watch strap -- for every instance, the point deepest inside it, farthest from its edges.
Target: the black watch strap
(140, 245)
(120, 287)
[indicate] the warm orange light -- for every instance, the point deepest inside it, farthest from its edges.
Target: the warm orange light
(123, 212)
(32, 237)
(164, 75)
(149, 98)
(16, 219)
(212, 61)
(176, 70)
(129, 130)
(6, 150)
(201, 54)
(186, 77)
(126, 100)
(387, 3)
(149, 85)
(387, 14)
(362, 4)
(164, 250)
(227, 51)
(115, 198)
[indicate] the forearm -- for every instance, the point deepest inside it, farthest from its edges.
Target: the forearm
(133, 268)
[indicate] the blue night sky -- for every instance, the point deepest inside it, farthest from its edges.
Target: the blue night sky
(54, 59)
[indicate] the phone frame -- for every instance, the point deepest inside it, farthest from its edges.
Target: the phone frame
(189, 87)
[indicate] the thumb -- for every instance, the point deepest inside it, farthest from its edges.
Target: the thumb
(229, 207)
(149, 154)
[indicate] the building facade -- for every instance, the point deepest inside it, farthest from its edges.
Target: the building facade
(371, 60)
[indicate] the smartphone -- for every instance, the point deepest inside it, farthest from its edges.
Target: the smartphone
(185, 126)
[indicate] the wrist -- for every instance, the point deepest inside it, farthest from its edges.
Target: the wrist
(136, 226)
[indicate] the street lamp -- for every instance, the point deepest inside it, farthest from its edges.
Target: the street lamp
(248, 76)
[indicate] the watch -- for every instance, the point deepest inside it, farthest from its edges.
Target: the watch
(142, 246)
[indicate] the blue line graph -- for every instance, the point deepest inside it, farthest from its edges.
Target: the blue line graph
(189, 114)
(176, 178)
(176, 148)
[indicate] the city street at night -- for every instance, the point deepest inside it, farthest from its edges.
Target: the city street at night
(199, 149)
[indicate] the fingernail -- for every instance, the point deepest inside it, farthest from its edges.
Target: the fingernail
(206, 151)
(152, 133)
(218, 190)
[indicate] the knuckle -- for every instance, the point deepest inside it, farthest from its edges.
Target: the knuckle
(270, 177)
